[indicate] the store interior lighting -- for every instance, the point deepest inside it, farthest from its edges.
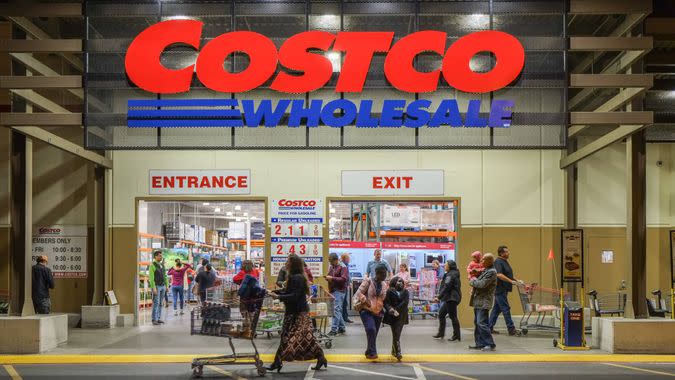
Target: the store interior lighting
(217, 209)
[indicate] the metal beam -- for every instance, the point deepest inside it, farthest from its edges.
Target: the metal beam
(616, 135)
(11, 119)
(41, 46)
(611, 43)
(17, 8)
(611, 118)
(609, 7)
(612, 80)
(616, 102)
(626, 26)
(622, 63)
(65, 145)
(38, 100)
(37, 33)
(34, 82)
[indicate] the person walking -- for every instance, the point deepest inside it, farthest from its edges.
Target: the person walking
(345, 258)
(377, 261)
(297, 339)
(177, 274)
(205, 279)
(449, 295)
(42, 280)
(157, 280)
(505, 282)
(404, 274)
(337, 287)
(191, 284)
(370, 296)
(396, 313)
(481, 300)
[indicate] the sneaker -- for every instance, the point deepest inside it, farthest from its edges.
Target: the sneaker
(488, 348)
(175, 313)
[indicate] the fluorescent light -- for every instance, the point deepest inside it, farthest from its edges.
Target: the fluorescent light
(237, 208)
(206, 204)
(217, 209)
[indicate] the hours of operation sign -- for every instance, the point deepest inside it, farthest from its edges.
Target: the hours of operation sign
(297, 228)
(65, 248)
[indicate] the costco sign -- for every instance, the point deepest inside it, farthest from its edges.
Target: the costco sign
(308, 68)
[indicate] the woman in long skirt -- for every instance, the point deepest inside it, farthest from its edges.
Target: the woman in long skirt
(297, 338)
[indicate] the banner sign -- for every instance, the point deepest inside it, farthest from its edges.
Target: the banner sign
(65, 248)
(393, 182)
(199, 182)
(572, 242)
(306, 57)
(297, 227)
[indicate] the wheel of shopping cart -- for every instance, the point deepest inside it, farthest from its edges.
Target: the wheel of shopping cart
(523, 331)
(259, 365)
(329, 344)
(198, 371)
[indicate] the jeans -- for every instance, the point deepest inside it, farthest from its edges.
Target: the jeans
(396, 330)
(502, 306)
(338, 321)
(482, 332)
(448, 309)
(157, 302)
(371, 323)
(178, 292)
(42, 305)
(345, 306)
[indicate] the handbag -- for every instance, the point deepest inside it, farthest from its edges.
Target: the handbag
(357, 304)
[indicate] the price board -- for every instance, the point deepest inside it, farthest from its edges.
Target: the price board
(297, 228)
(65, 248)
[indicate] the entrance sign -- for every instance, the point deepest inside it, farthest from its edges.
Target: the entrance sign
(296, 226)
(572, 260)
(392, 182)
(65, 248)
(199, 182)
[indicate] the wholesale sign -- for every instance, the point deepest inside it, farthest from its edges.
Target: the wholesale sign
(308, 68)
(297, 227)
(65, 248)
(199, 182)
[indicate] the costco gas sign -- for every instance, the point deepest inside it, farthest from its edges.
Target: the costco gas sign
(308, 68)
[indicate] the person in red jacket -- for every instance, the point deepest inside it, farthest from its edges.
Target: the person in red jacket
(246, 268)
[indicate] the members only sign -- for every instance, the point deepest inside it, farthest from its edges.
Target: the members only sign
(65, 248)
(200, 182)
(297, 227)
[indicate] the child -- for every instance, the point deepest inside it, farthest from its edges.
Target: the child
(396, 312)
(475, 268)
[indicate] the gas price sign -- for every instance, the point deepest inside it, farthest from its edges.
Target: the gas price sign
(297, 228)
(65, 248)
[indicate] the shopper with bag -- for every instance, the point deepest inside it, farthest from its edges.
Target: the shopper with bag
(297, 338)
(368, 302)
(396, 313)
(449, 295)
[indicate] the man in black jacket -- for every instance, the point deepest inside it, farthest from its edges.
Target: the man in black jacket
(43, 280)
(450, 295)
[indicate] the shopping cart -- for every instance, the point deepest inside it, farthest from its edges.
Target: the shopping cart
(271, 318)
(321, 310)
(542, 302)
(225, 315)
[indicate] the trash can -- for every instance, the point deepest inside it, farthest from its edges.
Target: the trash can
(573, 324)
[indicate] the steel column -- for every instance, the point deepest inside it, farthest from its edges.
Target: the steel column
(28, 309)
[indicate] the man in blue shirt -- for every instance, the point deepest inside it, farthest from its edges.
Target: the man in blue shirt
(370, 269)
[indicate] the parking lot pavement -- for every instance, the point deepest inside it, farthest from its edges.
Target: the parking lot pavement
(342, 371)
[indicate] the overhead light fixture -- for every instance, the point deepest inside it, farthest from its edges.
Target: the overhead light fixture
(206, 204)
(245, 214)
(229, 213)
(237, 208)
(217, 209)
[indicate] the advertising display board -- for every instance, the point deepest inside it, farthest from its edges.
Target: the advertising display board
(572, 259)
(296, 226)
(65, 248)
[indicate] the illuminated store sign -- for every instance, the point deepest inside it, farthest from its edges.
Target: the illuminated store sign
(308, 69)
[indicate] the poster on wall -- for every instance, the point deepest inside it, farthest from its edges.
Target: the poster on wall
(572, 255)
(65, 248)
(297, 227)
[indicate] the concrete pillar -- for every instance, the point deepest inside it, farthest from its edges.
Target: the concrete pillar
(28, 308)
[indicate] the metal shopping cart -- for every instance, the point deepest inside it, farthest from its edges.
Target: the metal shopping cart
(321, 310)
(271, 318)
(225, 315)
(542, 303)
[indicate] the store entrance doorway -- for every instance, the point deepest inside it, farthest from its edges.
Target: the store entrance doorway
(223, 233)
(414, 236)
